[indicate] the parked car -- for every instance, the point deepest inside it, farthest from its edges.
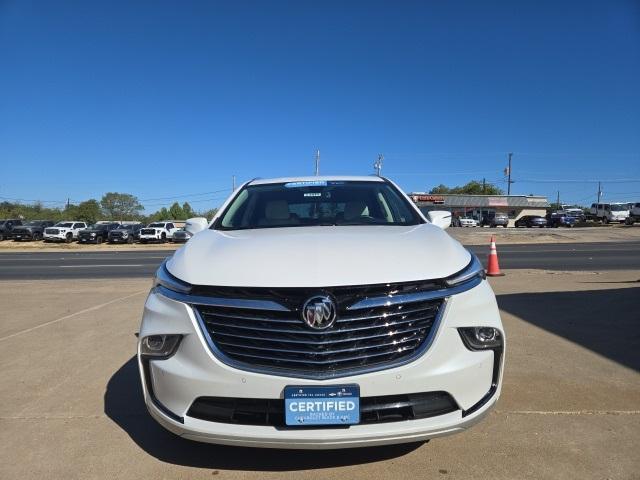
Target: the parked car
(6, 226)
(530, 221)
(609, 212)
(555, 220)
(310, 315)
(634, 214)
(468, 222)
(64, 231)
(572, 211)
(125, 233)
(31, 230)
(158, 232)
(97, 233)
(181, 236)
(497, 219)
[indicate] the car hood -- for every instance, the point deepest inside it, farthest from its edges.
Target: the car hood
(318, 256)
(92, 230)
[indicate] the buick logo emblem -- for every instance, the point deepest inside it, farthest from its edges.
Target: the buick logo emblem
(319, 312)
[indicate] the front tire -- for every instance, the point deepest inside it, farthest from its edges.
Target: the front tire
(163, 238)
(98, 240)
(68, 238)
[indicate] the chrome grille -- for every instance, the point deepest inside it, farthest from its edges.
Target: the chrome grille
(278, 341)
(148, 231)
(52, 231)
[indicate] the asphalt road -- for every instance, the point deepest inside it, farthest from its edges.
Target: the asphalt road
(118, 264)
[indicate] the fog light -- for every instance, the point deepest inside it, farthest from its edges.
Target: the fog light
(481, 338)
(159, 347)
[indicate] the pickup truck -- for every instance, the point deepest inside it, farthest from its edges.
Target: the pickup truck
(64, 231)
(32, 230)
(609, 212)
(634, 214)
(127, 233)
(96, 233)
(6, 226)
(158, 232)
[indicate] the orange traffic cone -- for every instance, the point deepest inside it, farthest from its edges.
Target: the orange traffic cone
(493, 268)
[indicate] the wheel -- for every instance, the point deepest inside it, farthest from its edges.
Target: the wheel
(163, 238)
(605, 220)
(98, 240)
(68, 238)
(37, 237)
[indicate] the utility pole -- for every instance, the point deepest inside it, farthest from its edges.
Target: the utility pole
(484, 186)
(509, 175)
(317, 162)
(558, 201)
(233, 182)
(378, 164)
(68, 201)
(599, 191)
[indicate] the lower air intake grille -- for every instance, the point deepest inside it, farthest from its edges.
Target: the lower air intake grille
(270, 412)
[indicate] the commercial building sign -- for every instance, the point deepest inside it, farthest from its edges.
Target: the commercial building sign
(439, 199)
(498, 201)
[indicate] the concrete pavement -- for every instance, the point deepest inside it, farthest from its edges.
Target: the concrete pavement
(71, 407)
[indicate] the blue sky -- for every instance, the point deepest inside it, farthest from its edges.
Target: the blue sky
(164, 99)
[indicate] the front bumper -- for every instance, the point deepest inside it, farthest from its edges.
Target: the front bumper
(22, 236)
(60, 237)
(170, 386)
(151, 238)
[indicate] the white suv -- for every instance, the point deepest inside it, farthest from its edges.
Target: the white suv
(158, 232)
(320, 312)
(63, 232)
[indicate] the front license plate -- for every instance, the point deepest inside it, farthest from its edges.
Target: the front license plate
(325, 405)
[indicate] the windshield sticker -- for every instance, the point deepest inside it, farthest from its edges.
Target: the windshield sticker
(313, 194)
(311, 183)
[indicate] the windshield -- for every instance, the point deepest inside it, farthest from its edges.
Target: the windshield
(619, 208)
(156, 225)
(33, 224)
(124, 227)
(313, 203)
(96, 226)
(64, 225)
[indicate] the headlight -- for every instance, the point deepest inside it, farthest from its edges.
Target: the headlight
(473, 270)
(166, 280)
(125, 234)
(93, 234)
(159, 347)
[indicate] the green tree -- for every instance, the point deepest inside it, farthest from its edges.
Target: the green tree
(188, 211)
(176, 212)
(208, 214)
(474, 187)
(88, 211)
(120, 206)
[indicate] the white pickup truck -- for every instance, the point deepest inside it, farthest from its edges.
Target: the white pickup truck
(158, 232)
(609, 212)
(634, 214)
(63, 231)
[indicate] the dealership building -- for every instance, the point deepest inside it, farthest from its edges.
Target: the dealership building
(479, 206)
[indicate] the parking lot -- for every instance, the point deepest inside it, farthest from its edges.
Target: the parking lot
(71, 405)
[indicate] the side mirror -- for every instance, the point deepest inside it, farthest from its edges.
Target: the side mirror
(440, 218)
(195, 225)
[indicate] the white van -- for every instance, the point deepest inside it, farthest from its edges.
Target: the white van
(610, 212)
